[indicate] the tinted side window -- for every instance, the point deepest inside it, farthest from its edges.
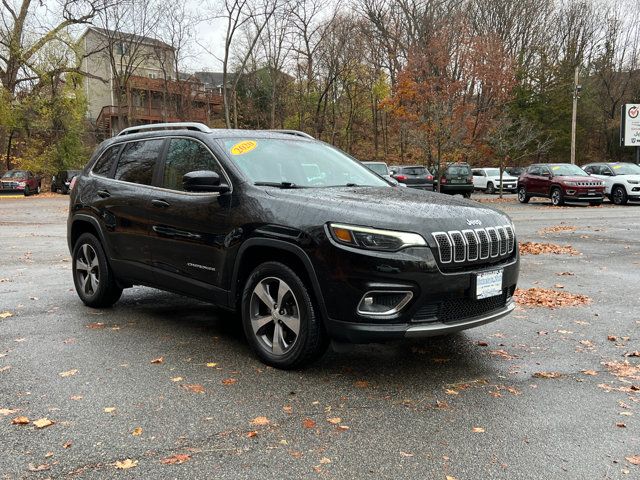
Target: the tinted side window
(105, 162)
(186, 156)
(534, 170)
(137, 161)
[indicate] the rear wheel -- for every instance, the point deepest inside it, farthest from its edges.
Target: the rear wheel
(557, 197)
(491, 188)
(279, 318)
(522, 195)
(619, 195)
(93, 278)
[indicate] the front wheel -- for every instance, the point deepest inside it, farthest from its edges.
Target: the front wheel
(26, 191)
(619, 195)
(279, 318)
(92, 276)
(556, 197)
(522, 195)
(491, 188)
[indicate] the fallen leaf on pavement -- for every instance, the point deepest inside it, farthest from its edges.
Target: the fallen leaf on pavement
(635, 459)
(633, 354)
(556, 229)
(361, 384)
(621, 425)
(4, 315)
(95, 325)
(406, 454)
(543, 297)
(334, 420)
(7, 411)
(43, 423)
(547, 374)
(176, 459)
(20, 420)
(612, 338)
(308, 423)
(68, 373)
(195, 388)
(325, 460)
(252, 433)
(39, 468)
(533, 248)
(4, 369)
(158, 360)
(477, 430)
(229, 381)
(126, 464)
(260, 421)
(590, 372)
(287, 409)
(212, 364)
(342, 428)
(137, 432)
(67, 445)
(177, 379)
(76, 397)
(109, 409)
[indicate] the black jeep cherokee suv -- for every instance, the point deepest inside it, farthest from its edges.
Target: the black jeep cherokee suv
(233, 217)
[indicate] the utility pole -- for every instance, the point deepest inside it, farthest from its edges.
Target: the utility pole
(576, 95)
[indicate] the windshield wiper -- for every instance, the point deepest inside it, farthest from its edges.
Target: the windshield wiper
(277, 184)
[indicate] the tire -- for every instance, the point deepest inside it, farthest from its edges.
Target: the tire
(490, 188)
(522, 195)
(26, 191)
(466, 194)
(263, 319)
(619, 195)
(556, 197)
(92, 276)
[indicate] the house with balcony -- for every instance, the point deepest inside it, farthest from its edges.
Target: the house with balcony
(133, 80)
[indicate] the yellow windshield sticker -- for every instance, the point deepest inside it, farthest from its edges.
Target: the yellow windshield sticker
(616, 167)
(243, 147)
(555, 168)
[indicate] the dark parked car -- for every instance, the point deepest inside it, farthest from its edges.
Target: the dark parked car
(21, 181)
(515, 171)
(61, 181)
(457, 180)
(415, 176)
(231, 217)
(561, 182)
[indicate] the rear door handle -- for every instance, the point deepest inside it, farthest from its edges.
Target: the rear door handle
(103, 193)
(160, 203)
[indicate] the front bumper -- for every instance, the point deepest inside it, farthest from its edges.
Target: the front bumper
(578, 196)
(442, 302)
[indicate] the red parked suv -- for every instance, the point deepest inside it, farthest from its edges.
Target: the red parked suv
(21, 181)
(561, 182)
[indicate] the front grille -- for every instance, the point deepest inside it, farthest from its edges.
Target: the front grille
(471, 245)
(9, 185)
(456, 309)
(588, 184)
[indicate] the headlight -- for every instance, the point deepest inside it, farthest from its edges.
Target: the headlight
(633, 182)
(22, 184)
(571, 184)
(374, 239)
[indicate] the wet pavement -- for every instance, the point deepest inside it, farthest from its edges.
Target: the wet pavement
(543, 393)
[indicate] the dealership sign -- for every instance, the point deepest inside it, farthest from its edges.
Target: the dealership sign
(630, 126)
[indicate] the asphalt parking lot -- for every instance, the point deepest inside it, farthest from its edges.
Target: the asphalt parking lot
(165, 387)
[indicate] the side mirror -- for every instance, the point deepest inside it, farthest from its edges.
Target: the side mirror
(203, 181)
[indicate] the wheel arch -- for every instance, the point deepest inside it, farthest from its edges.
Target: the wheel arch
(85, 224)
(255, 251)
(619, 185)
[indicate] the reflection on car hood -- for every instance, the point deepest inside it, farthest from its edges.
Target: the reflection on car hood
(403, 209)
(570, 178)
(628, 177)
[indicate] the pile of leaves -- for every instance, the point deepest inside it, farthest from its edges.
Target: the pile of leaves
(545, 297)
(557, 229)
(495, 200)
(624, 370)
(533, 248)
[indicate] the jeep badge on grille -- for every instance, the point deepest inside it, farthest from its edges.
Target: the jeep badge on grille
(472, 223)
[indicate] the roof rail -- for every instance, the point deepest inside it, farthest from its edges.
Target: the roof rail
(200, 127)
(297, 133)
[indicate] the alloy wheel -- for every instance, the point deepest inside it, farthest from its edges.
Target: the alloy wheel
(618, 196)
(274, 315)
(88, 269)
(522, 194)
(555, 197)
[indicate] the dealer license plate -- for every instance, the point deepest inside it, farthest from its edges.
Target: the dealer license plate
(488, 284)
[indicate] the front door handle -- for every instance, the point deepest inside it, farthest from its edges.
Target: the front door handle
(160, 203)
(103, 193)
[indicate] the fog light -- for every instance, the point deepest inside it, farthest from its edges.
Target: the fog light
(378, 303)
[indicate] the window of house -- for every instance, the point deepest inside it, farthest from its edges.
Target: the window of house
(122, 48)
(184, 156)
(137, 161)
(106, 161)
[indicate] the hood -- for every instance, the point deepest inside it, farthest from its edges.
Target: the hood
(570, 178)
(404, 209)
(628, 177)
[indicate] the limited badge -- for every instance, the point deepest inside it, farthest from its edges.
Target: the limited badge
(243, 147)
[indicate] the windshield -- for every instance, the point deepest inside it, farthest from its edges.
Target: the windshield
(298, 163)
(414, 170)
(458, 170)
(379, 168)
(15, 174)
(493, 172)
(567, 170)
(626, 169)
